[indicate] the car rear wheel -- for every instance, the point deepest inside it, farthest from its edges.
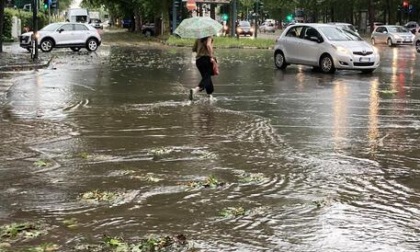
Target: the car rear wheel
(418, 46)
(92, 45)
(372, 41)
(389, 42)
(75, 49)
(279, 60)
(47, 45)
(327, 64)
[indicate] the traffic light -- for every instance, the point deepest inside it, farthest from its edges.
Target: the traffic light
(405, 4)
(225, 17)
(289, 17)
(45, 4)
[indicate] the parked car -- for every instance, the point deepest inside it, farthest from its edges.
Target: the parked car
(148, 29)
(392, 35)
(63, 35)
(126, 23)
(412, 26)
(96, 23)
(267, 26)
(325, 47)
(244, 28)
(347, 26)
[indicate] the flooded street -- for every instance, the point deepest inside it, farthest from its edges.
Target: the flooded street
(290, 160)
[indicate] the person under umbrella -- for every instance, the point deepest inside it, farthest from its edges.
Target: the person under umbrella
(203, 48)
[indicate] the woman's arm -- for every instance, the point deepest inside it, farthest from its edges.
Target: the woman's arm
(209, 45)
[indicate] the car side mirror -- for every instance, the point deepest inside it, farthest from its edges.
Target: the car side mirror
(60, 30)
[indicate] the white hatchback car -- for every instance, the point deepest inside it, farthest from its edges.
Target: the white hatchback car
(392, 35)
(324, 47)
(63, 35)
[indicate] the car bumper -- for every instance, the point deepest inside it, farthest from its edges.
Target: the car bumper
(357, 62)
(402, 42)
(25, 41)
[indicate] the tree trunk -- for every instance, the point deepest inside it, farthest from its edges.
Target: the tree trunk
(166, 26)
(1, 24)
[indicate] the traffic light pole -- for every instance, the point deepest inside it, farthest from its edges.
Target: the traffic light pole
(34, 51)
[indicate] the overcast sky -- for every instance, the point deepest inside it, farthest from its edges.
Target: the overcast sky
(75, 3)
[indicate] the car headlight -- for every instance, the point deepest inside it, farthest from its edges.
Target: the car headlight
(341, 50)
(396, 36)
(252, 29)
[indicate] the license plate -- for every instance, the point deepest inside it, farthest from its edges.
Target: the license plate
(364, 59)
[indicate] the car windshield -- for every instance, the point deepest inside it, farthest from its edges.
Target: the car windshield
(397, 29)
(51, 27)
(338, 34)
(244, 24)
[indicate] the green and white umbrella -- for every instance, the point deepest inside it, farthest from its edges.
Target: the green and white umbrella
(198, 27)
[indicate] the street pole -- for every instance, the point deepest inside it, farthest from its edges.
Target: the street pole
(34, 51)
(174, 14)
(256, 19)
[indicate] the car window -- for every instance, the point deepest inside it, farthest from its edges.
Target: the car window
(397, 29)
(294, 32)
(244, 24)
(310, 33)
(51, 27)
(67, 27)
(380, 29)
(80, 27)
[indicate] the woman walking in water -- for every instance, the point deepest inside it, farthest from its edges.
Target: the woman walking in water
(204, 62)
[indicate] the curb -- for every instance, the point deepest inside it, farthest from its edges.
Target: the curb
(26, 66)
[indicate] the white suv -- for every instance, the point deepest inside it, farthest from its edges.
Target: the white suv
(64, 35)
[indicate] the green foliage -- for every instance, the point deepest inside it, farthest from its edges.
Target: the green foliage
(25, 17)
(226, 42)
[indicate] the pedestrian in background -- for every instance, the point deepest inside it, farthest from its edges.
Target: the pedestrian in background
(203, 48)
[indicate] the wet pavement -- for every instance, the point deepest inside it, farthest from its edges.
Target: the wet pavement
(308, 161)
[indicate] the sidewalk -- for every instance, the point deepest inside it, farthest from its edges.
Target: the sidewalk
(15, 58)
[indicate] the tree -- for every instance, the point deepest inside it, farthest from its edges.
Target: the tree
(2, 3)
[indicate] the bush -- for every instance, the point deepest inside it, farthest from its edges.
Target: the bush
(26, 21)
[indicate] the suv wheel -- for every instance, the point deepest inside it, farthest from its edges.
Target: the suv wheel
(47, 45)
(372, 41)
(92, 45)
(327, 64)
(389, 42)
(418, 46)
(279, 60)
(75, 49)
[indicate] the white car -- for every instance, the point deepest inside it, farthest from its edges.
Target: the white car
(63, 35)
(324, 47)
(267, 27)
(392, 35)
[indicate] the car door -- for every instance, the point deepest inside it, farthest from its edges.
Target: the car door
(291, 43)
(63, 34)
(309, 46)
(81, 34)
(381, 34)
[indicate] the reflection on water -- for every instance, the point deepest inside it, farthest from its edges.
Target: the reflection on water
(319, 162)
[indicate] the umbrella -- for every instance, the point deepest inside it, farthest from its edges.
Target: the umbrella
(198, 27)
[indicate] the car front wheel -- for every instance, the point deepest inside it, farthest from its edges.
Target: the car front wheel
(327, 64)
(92, 45)
(418, 46)
(389, 42)
(279, 60)
(47, 45)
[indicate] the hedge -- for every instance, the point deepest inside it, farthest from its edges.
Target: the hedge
(26, 20)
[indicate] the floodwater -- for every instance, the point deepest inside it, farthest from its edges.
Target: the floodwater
(316, 162)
